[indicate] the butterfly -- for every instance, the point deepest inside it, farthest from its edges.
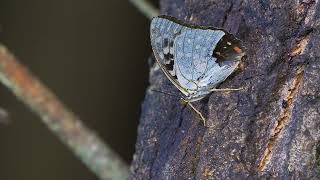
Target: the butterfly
(194, 58)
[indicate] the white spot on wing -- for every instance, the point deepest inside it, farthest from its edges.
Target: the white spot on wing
(166, 50)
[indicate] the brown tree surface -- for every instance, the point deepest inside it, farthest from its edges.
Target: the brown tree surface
(271, 129)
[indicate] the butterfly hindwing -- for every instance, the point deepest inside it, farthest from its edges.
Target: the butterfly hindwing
(163, 34)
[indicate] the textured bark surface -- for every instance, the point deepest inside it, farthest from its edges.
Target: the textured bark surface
(269, 130)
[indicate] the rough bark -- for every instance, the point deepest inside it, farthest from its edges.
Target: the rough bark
(269, 130)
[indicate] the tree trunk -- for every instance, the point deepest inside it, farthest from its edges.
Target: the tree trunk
(271, 129)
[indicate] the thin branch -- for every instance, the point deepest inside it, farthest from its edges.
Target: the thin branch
(146, 8)
(4, 117)
(96, 155)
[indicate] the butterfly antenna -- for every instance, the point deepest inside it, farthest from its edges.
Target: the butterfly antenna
(166, 93)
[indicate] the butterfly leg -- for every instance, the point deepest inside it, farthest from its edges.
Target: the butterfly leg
(227, 89)
(195, 110)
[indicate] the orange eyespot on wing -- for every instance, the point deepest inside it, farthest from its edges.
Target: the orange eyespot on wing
(237, 49)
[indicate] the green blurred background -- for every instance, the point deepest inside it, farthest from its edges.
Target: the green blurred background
(93, 55)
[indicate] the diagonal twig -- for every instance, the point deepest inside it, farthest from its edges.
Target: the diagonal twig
(96, 155)
(145, 8)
